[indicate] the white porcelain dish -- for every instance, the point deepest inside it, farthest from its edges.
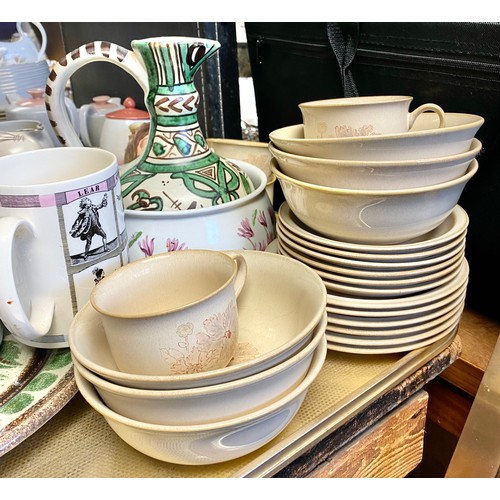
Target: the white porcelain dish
(209, 443)
(395, 347)
(343, 270)
(396, 174)
(433, 243)
(219, 402)
(388, 321)
(373, 217)
(384, 334)
(404, 304)
(424, 140)
(272, 327)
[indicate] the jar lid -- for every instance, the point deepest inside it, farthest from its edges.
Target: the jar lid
(129, 112)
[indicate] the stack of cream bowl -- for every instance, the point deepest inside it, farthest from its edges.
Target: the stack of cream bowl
(222, 414)
(377, 218)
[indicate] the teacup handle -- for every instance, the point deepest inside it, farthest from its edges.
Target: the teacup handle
(241, 274)
(68, 65)
(11, 309)
(422, 109)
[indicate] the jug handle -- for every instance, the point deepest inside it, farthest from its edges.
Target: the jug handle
(83, 113)
(43, 34)
(68, 65)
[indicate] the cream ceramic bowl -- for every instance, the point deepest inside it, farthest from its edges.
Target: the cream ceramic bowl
(424, 140)
(373, 216)
(213, 403)
(208, 443)
(244, 224)
(272, 326)
(429, 248)
(397, 174)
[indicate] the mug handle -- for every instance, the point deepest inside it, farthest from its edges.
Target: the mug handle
(68, 65)
(241, 274)
(11, 309)
(422, 109)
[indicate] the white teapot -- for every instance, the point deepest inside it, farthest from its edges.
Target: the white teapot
(91, 118)
(119, 125)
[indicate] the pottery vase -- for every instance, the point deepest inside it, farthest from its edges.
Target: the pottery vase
(176, 170)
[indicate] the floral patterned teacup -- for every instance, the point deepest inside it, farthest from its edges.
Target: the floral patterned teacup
(173, 313)
(362, 116)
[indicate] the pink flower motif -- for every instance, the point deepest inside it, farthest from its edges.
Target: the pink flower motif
(147, 246)
(173, 245)
(245, 230)
(262, 218)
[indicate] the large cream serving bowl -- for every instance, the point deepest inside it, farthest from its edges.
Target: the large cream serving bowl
(208, 443)
(395, 174)
(424, 140)
(372, 216)
(279, 307)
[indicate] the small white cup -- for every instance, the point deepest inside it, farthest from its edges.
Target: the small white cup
(362, 116)
(172, 313)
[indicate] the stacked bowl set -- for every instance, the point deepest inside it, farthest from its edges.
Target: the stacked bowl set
(372, 207)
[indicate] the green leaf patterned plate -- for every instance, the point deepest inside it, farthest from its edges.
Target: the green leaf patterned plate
(34, 385)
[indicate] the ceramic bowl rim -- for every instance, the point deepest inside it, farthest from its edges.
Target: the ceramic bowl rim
(253, 418)
(409, 248)
(471, 171)
(255, 173)
(132, 269)
(474, 121)
(458, 158)
(167, 394)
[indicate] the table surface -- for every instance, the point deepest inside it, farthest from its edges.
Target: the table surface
(350, 394)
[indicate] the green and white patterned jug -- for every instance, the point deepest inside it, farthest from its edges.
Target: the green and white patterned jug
(177, 170)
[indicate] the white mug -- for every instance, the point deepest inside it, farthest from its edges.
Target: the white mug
(362, 116)
(62, 229)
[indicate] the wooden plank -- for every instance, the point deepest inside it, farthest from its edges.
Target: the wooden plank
(448, 406)
(479, 334)
(391, 448)
(321, 452)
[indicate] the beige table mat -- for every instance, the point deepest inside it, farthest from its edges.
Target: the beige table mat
(77, 442)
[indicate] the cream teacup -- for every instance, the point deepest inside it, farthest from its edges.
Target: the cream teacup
(362, 116)
(62, 229)
(172, 313)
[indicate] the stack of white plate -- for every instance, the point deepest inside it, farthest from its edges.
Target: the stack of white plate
(17, 79)
(385, 298)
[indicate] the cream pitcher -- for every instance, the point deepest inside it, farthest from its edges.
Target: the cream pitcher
(177, 170)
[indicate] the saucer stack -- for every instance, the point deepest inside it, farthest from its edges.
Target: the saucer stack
(390, 289)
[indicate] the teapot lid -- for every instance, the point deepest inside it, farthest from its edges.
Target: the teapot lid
(37, 98)
(101, 102)
(129, 112)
